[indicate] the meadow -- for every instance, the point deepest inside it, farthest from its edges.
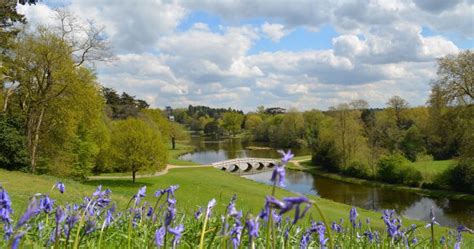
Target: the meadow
(197, 186)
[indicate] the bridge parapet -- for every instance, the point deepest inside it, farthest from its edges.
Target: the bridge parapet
(248, 165)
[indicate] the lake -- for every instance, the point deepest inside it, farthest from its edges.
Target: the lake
(411, 205)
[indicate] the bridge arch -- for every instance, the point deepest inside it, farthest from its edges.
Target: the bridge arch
(246, 165)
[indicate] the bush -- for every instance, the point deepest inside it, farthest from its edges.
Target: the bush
(13, 154)
(462, 176)
(325, 155)
(395, 169)
(357, 169)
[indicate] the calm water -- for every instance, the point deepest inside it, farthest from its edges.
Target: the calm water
(210, 150)
(411, 205)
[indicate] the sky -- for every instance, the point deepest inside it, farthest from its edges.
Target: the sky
(292, 54)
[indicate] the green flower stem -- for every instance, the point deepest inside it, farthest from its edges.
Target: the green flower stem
(203, 231)
(331, 245)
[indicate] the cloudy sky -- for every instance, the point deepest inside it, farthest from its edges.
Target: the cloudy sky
(303, 54)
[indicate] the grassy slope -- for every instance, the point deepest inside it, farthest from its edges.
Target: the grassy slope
(197, 187)
(429, 169)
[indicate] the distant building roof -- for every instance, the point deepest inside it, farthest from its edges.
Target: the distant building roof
(275, 110)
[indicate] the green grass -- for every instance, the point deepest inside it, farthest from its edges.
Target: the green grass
(181, 148)
(430, 169)
(197, 187)
(302, 158)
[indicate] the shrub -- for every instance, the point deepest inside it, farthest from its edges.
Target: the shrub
(462, 176)
(357, 169)
(325, 155)
(395, 169)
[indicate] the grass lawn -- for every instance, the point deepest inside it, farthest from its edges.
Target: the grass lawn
(302, 158)
(181, 148)
(197, 187)
(430, 169)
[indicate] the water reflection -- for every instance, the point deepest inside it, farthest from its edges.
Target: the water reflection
(209, 150)
(411, 205)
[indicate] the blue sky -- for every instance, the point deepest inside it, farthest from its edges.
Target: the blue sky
(242, 54)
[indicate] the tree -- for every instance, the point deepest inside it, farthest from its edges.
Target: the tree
(212, 128)
(412, 144)
(137, 146)
(347, 132)
(44, 70)
(398, 105)
(456, 77)
(232, 122)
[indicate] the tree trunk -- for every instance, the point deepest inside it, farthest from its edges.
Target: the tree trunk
(133, 176)
(35, 139)
(7, 97)
(173, 142)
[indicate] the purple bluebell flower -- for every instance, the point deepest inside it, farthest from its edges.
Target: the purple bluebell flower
(369, 235)
(177, 232)
(46, 204)
(17, 239)
(60, 215)
(321, 229)
(98, 191)
(160, 192)
(32, 210)
(305, 239)
(393, 225)
(171, 189)
(109, 216)
(170, 214)
(414, 241)
(353, 216)
(160, 237)
(231, 210)
(274, 202)
(8, 230)
(235, 234)
(442, 240)
(286, 156)
(336, 227)
(278, 176)
(60, 186)
(5, 206)
(149, 212)
(432, 218)
(140, 194)
(71, 220)
(276, 217)
(89, 227)
(210, 206)
(252, 227)
(198, 213)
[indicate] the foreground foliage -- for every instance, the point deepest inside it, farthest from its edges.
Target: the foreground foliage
(96, 222)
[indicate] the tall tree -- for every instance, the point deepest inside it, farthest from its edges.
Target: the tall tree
(456, 77)
(232, 122)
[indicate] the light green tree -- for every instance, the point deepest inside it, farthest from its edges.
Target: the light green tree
(137, 146)
(232, 122)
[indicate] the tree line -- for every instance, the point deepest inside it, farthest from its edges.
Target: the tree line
(56, 118)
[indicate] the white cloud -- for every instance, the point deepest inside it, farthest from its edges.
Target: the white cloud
(379, 50)
(274, 31)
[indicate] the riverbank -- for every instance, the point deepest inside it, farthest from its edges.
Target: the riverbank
(307, 166)
(182, 147)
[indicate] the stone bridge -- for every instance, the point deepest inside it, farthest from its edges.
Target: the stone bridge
(246, 166)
